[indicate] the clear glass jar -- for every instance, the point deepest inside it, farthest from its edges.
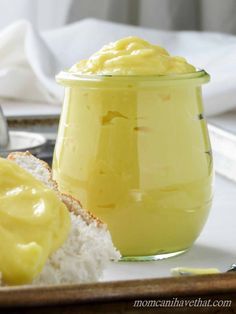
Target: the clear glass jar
(135, 151)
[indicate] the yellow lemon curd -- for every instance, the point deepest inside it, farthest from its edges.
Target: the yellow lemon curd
(133, 146)
(132, 56)
(33, 224)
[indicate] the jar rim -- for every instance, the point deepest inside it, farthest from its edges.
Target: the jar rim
(65, 77)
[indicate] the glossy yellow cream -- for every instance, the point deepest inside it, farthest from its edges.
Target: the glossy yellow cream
(135, 149)
(33, 224)
(132, 56)
(187, 271)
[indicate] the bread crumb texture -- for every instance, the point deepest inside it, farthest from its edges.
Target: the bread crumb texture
(88, 249)
(83, 257)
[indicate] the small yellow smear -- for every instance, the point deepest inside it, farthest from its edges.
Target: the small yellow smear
(132, 56)
(185, 271)
(33, 224)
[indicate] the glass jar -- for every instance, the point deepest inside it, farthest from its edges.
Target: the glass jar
(135, 151)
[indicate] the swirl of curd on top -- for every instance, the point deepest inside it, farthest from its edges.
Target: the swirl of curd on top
(132, 56)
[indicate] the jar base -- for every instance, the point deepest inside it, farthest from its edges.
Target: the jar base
(148, 258)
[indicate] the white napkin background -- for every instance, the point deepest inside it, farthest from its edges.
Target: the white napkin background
(29, 60)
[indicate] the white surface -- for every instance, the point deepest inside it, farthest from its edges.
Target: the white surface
(23, 141)
(226, 121)
(29, 60)
(16, 109)
(216, 246)
(223, 145)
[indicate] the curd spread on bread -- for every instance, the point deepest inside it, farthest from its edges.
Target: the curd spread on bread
(33, 224)
(132, 56)
(133, 146)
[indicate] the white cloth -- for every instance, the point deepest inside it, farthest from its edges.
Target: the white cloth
(29, 60)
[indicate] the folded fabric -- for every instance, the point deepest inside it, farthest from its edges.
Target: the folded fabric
(29, 60)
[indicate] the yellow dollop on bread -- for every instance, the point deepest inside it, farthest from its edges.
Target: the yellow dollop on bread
(34, 223)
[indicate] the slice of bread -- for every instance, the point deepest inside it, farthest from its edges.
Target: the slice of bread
(88, 248)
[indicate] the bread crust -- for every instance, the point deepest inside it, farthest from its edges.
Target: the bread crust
(72, 204)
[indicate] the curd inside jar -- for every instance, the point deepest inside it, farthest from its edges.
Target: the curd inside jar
(135, 151)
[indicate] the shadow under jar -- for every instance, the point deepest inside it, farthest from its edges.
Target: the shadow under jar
(135, 151)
